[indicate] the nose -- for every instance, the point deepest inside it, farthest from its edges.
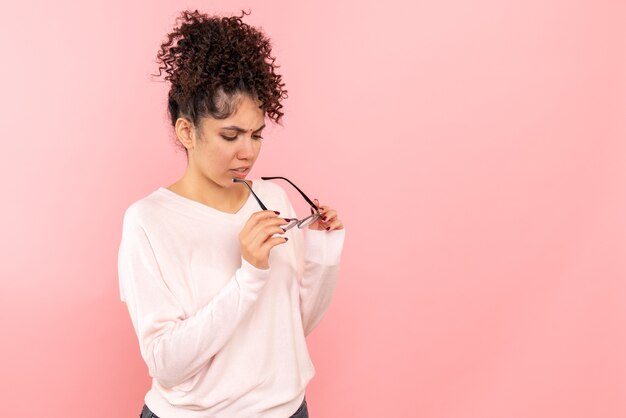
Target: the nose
(247, 149)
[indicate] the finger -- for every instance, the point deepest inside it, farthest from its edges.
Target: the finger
(259, 216)
(328, 219)
(328, 224)
(329, 215)
(324, 208)
(268, 229)
(257, 231)
(316, 202)
(336, 224)
(322, 212)
(272, 242)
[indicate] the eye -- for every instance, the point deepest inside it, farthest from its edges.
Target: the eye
(257, 137)
(229, 138)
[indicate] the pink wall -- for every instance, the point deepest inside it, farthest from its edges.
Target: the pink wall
(476, 152)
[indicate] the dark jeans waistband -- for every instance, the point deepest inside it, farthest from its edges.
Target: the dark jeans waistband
(301, 412)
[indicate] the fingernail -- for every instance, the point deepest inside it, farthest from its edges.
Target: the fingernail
(286, 239)
(277, 212)
(327, 228)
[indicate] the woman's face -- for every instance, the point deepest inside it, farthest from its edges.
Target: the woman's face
(228, 144)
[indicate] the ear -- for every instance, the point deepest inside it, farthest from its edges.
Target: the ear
(185, 132)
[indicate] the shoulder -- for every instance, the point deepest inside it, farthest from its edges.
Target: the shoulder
(270, 188)
(143, 210)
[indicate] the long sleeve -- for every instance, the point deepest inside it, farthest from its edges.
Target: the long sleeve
(175, 348)
(318, 255)
(322, 252)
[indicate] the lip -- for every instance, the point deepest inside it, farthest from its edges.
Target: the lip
(240, 174)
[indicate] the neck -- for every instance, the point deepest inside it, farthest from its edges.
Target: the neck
(203, 190)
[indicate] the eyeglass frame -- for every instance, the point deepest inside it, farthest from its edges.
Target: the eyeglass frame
(316, 215)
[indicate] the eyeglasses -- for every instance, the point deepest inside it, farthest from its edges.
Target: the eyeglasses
(301, 223)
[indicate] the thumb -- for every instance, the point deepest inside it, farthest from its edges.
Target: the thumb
(317, 203)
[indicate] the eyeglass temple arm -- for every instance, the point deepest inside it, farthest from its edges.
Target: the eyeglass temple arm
(253, 194)
(297, 188)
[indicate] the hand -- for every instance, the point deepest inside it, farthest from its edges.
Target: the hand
(331, 222)
(255, 238)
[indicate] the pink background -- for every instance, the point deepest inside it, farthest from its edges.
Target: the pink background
(475, 150)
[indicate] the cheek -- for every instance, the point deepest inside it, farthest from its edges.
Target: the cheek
(209, 161)
(219, 156)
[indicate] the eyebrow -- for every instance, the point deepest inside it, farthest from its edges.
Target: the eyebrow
(238, 129)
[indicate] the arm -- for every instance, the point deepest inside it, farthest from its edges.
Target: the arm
(322, 252)
(174, 347)
(317, 254)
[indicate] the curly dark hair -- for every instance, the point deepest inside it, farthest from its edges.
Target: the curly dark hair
(211, 61)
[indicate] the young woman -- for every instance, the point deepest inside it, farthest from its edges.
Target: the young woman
(221, 280)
